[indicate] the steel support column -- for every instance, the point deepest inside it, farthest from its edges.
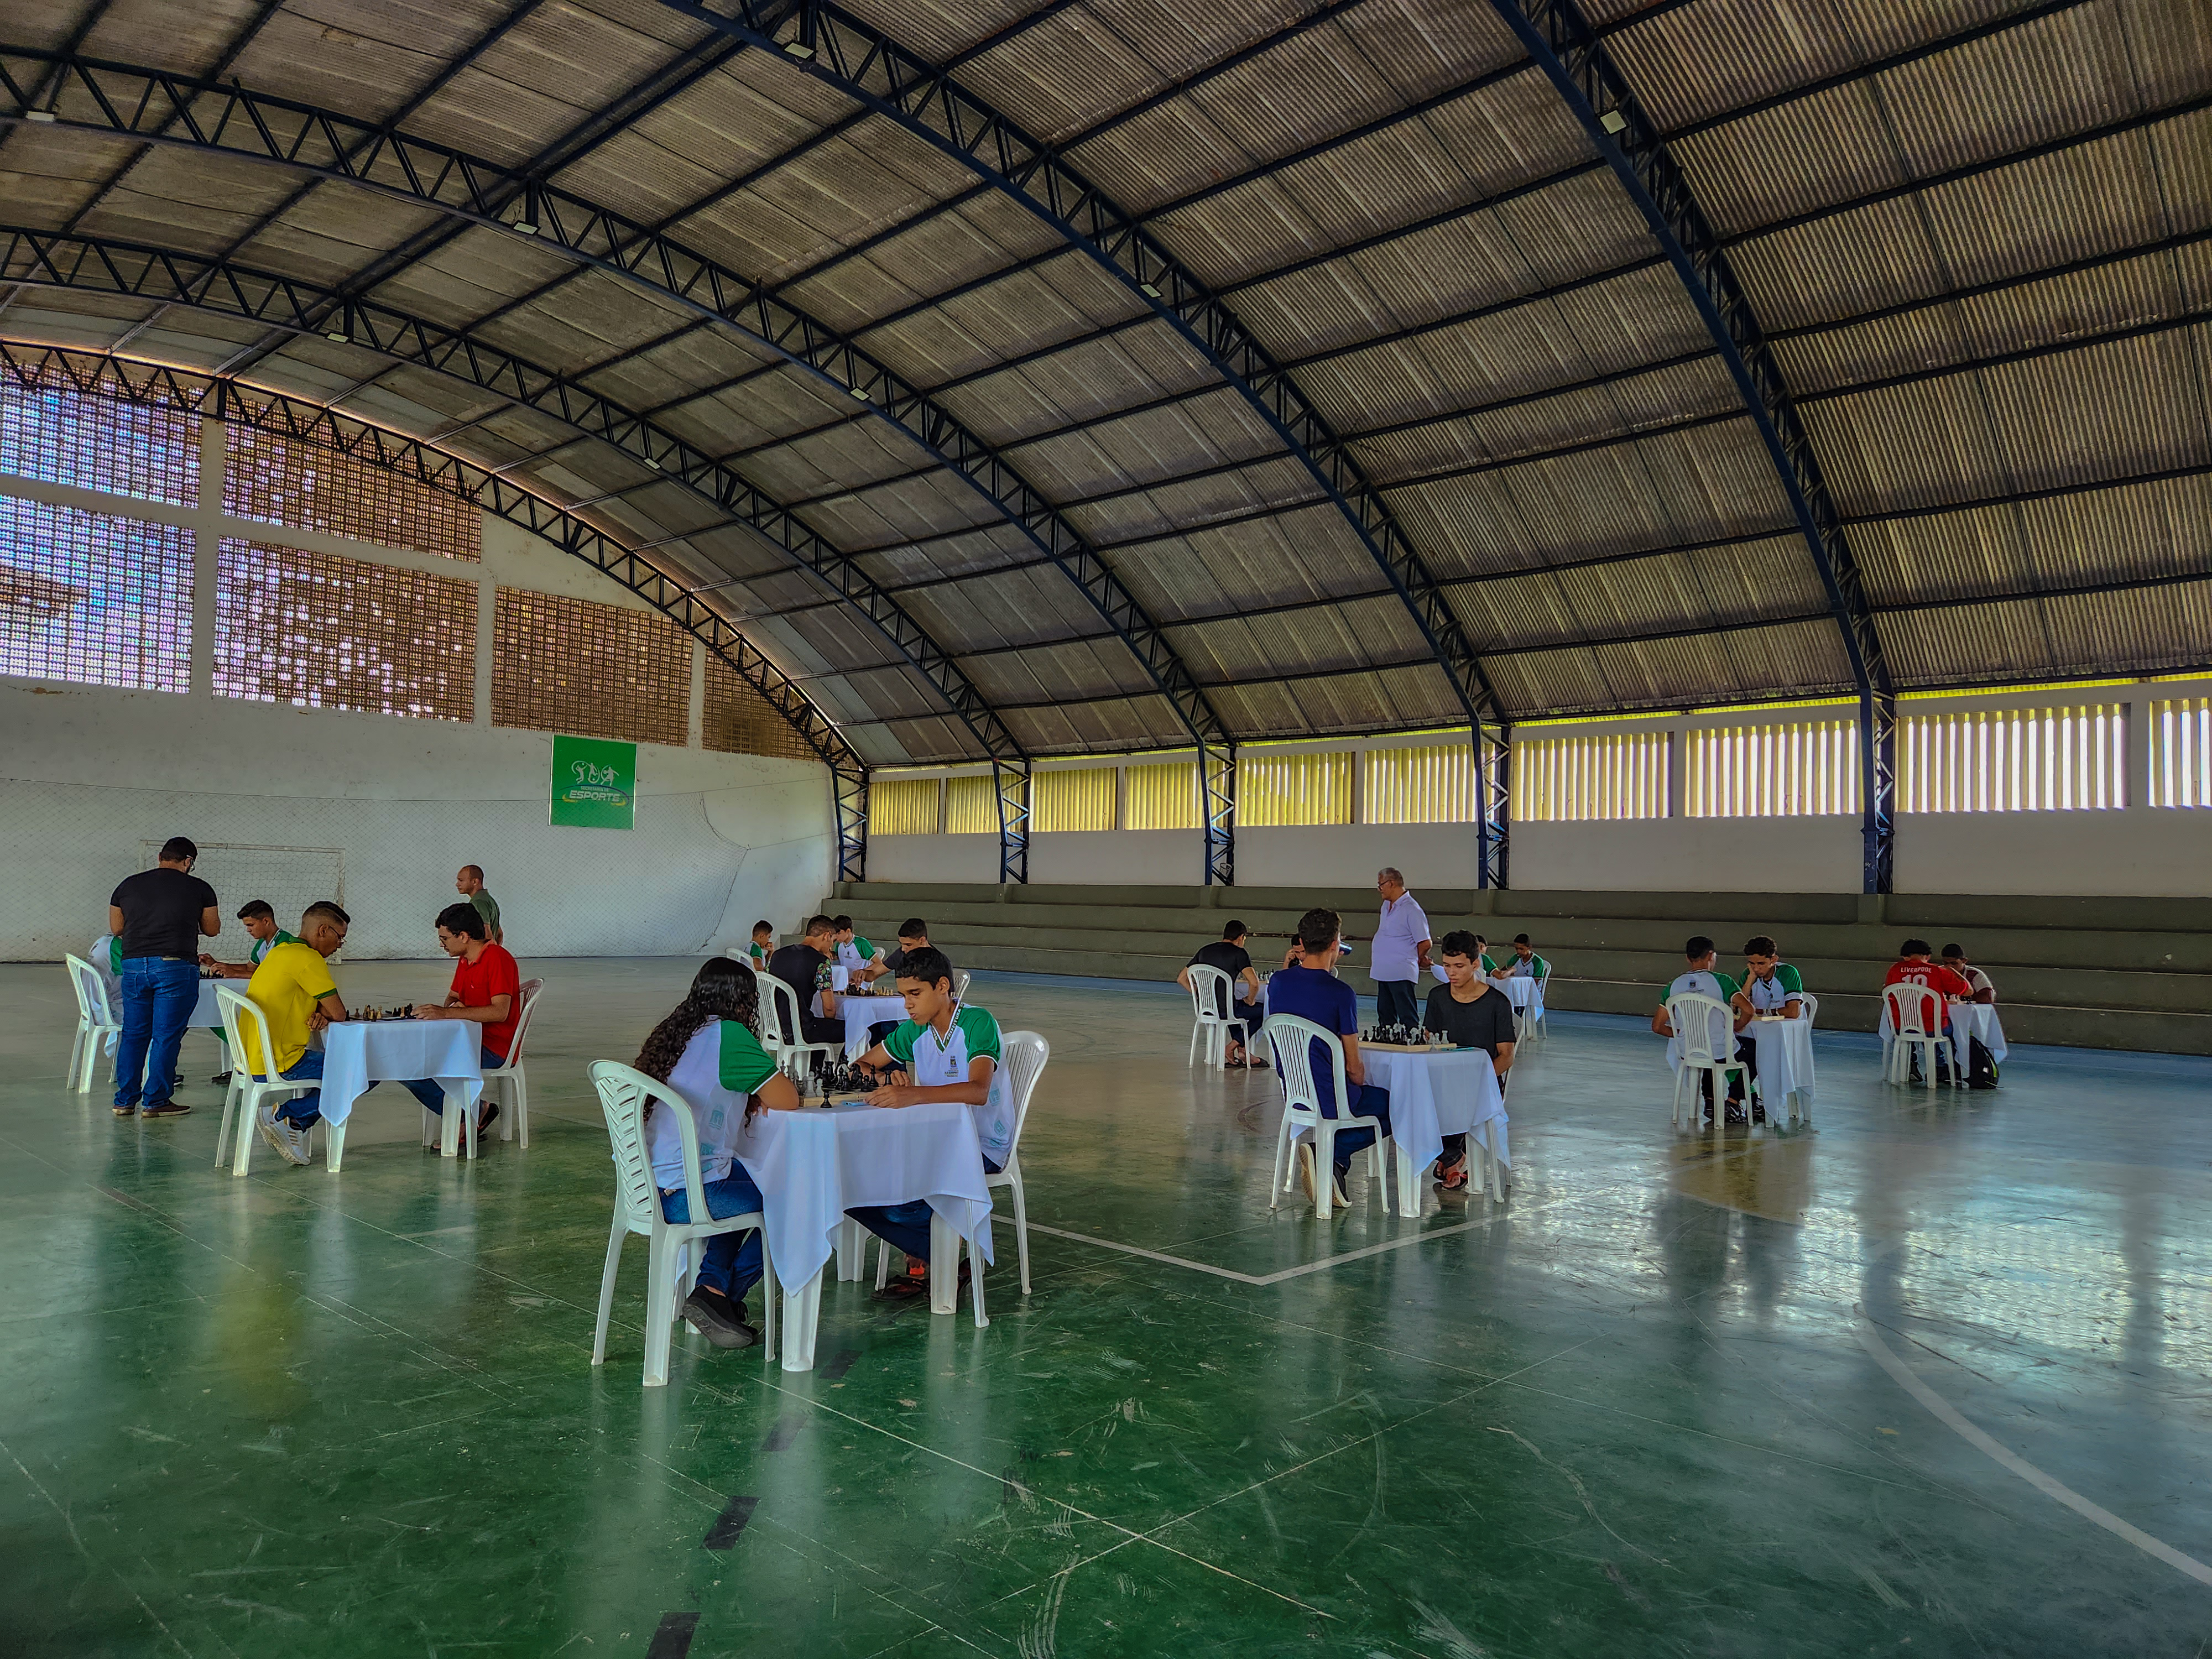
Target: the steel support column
(1010, 781)
(1574, 60)
(1493, 792)
(1217, 779)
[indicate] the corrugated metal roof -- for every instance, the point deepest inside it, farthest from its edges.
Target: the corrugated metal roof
(1346, 180)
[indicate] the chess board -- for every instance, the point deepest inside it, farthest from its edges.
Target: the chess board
(1366, 1048)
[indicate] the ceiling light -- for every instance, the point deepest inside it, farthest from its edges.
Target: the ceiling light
(650, 462)
(523, 227)
(40, 115)
(338, 336)
(861, 392)
(1148, 290)
(1614, 122)
(798, 49)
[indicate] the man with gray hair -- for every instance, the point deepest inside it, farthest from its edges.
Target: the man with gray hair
(1401, 952)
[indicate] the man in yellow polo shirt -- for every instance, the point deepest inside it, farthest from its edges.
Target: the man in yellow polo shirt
(294, 990)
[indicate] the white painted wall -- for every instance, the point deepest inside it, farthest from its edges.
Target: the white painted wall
(88, 775)
(1697, 855)
(933, 857)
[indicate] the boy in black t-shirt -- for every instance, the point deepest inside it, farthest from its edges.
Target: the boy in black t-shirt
(1474, 1014)
(1228, 954)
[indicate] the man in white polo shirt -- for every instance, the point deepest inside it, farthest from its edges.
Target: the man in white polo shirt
(1400, 956)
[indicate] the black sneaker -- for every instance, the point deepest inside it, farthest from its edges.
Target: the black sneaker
(720, 1322)
(221, 1079)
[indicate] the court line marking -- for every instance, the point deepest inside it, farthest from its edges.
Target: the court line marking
(1327, 1261)
(1941, 1410)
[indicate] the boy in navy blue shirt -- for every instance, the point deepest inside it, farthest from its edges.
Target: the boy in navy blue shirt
(1309, 991)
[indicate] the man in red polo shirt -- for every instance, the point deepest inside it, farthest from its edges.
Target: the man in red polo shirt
(1912, 967)
(487, 990)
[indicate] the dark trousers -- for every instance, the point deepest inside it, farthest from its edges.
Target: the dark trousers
(1373, 1102)
(433, 1096)
(1396, 1002)
(158, 993)
(1748, 1052)
(903, 1226)
(1455, 1145)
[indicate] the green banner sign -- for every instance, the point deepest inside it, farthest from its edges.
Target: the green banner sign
(594, 783)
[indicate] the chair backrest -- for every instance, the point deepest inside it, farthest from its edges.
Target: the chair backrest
(1293, 1039)
(960, 987)
(92, 1006)
(780, 1013)
(1908, 1009)
(1812, 1005)
(242, 1014)
(1544, 974)
(1025, 1054)
(1703, 1029)
(624, 1095)
(531, 987)
(1208, 1001)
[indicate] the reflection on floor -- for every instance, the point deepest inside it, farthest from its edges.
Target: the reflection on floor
(1642, 1408)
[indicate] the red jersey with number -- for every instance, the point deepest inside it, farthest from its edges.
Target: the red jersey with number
(1938, 979)
(491, 975)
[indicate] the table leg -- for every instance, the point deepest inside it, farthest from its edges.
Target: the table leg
(852, 1250)
(802, 1314)
(333, 1144)
(449, 1123)
(1409, 1196)
(1491, 1165)
(944, 1266)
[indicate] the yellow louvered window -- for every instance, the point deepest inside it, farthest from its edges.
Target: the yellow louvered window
(1623, 775)
(1803, 768)
(1163, 796)
(1080, 799)
(971, 806)
(1418, 786)
(2015, 760)
(903, 806)
(1279, 791)
(2181, 752)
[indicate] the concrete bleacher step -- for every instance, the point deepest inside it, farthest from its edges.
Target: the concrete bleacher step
(2100, 973)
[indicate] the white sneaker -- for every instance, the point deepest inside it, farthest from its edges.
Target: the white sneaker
(301, 1139)
(281, 1136)
(1306, 1168)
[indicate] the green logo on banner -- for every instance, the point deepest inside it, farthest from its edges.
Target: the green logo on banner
(594, 783)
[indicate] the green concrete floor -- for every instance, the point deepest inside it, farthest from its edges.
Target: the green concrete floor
(1642, 1409)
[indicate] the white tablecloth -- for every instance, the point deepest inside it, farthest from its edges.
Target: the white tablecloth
(1453, 1092)
(1978, 1020)
(206, 1011)
(1784, 1048)
(812, 1165)
(356, 1053)
(1527, 996)
(863, 1015)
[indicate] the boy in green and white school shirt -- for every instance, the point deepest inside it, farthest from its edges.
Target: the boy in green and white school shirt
(945, 1053)
(856, 955)
(1701, 978)
(260, 919)
(1772, 986)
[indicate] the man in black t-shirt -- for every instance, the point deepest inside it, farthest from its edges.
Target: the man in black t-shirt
(805, 967)
(1228, 954)
(1475, 1014)
(160, 916)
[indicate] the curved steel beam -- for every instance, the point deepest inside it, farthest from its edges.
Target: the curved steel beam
(157, 107)
(104, 374)
(290, 305)
(858, 60)
(1582, 72)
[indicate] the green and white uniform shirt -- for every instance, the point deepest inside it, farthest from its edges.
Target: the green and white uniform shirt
(855, 954)
(933, 1061)
(1772, 996)
(720, 1067)
(1703, 983)
(760, 954)
(1513, 968)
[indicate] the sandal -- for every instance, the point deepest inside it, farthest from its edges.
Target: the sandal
(1454, 1177)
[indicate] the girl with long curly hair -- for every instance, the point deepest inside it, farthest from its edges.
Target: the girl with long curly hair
(707, 1052)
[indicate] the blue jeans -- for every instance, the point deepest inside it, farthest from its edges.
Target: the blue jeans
(158, 994)
(1373, 1102)
(904, 1226)
(433, 1096)
(305, 1109)
(732, 1263)
(1397, 1002)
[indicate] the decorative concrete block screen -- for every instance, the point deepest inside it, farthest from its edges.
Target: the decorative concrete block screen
(1568, 778)
(601, 671)
(1799, 769)
(124, 449)
(95, 598)
(318, 631)
(268, 478)
(739, 720)
(2015, 760)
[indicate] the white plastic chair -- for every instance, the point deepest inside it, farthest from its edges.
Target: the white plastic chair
(1291, 1039)
(960, 987)
(1025, 1054)
(507, 1082)
(247, 1090)
(792, 1055)
(1911, 1039)
(1704, 1045)
(672, 1249)
(97, 1022)
(1212, 1011)
(1537, 1026)
(1811, 1005)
